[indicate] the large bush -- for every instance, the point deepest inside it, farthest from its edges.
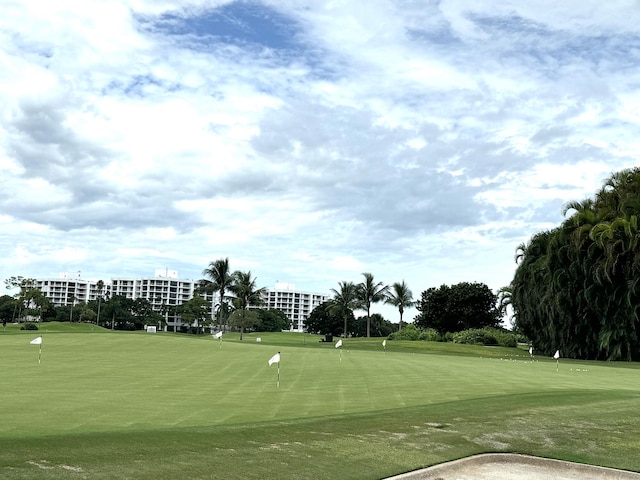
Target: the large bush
(486, 336)
(411, 332)
(29, 326)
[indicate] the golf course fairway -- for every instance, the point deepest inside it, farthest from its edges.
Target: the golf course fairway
(93, 404)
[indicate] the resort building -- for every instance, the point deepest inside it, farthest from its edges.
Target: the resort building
(165, 290)
(295, 304)
(70, 289)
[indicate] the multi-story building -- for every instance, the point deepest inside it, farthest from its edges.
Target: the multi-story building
(69, 290)
(165, 290)
(295, 304)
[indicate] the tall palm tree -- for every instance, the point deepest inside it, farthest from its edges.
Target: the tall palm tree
(219, 279)
(247, 294)
(400, 296)
(370, 292)
(99, 289)
(344, 301)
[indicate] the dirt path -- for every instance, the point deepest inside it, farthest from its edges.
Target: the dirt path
(507, 466)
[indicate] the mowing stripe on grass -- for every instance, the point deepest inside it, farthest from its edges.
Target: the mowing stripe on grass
(167, 406)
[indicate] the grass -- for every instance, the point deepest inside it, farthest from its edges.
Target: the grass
(141, 406)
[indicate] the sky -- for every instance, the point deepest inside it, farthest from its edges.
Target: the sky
(308, 142)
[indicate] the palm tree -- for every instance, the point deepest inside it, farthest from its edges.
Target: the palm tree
(99, 289)
(400, 296)
(371, 292)
(218, 279)
(345, 300)
(247, 295)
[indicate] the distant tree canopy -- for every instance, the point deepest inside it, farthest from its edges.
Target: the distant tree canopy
(272, 320)
(379, 326)
(195, 312)
(457, 307)
(8, 306)
(325, 318)
(577, 287)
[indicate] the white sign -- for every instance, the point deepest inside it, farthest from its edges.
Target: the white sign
(151, 329)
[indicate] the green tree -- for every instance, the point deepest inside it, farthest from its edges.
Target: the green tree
(99, 291)
(247, 295)
(243, 319)
(7, 308)
(345, 300)
(34, 301)
(370, 291)
(118, 309)
(142, 314)
(11, 283)
(84, 313)
(326, 319)
(401, 297)
(577, 286)
(504, 300)
(218, 279)
(380, 327)
(195, 312)
(272, 320)
(458, 307)
(23, 285)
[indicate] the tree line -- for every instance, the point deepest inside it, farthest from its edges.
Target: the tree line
(577, 286)
(445, 309)
(119, 312)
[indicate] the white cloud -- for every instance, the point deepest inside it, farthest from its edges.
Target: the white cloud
(415, 140)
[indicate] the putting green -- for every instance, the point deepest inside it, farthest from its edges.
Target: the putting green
(97, 393)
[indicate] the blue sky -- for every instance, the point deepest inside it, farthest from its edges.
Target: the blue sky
(417, 140)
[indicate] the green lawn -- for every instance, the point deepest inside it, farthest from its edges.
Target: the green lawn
(107, 404)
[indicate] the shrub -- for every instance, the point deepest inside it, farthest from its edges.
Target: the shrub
(506, 339)
(475, 336)
(29, 326)
(431, 335)
(409, 332)
(485, 336)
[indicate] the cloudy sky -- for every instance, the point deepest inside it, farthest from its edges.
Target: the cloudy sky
(307, 141)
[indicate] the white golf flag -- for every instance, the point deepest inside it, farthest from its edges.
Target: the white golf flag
(384, 342)
(557, 354)
(530, 350)
(274, 359)
(218, 335)
(339, 343)
(36, 341)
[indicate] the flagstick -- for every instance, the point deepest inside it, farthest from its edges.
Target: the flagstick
(39, 353)
(220, 342)
(340, 353)
(278, 381)
(557, 361)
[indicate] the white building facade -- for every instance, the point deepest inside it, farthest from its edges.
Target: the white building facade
(165, 290)
(295, 304)
(69, 290)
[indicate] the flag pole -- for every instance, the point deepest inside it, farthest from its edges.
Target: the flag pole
(278, 381)
(39, 353)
